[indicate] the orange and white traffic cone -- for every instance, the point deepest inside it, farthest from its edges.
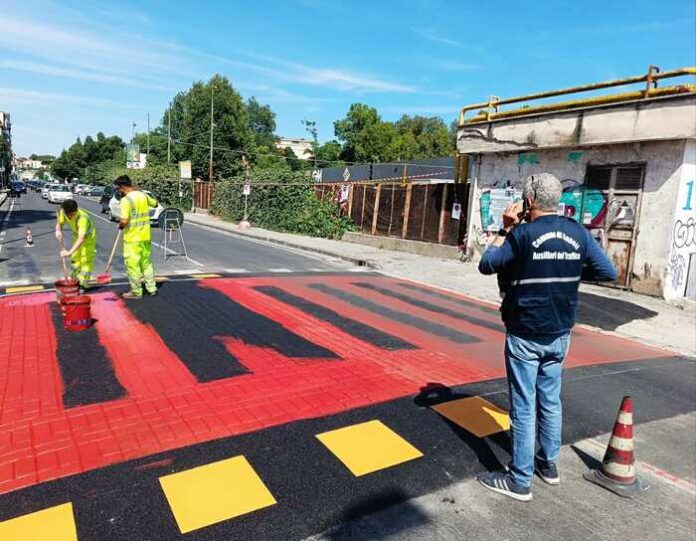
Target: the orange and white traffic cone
(29, 238)
(618, 470)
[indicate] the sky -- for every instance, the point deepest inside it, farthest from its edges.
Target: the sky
(72, 68)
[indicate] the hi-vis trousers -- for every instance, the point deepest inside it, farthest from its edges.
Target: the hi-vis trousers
(137, 258)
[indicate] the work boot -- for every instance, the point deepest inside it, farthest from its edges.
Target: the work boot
(128, 295)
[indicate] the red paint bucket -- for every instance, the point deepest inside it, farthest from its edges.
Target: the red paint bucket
(77, 315)
(67, 288)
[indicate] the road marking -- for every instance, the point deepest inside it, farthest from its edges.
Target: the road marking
(475, 415)
(17, 283)
(211, 275)
(236, 271)
(23, 289)
(6, 221)
(57, 523)
(215, 492)
(186, 271)
(167, 250)
(359, 269)
(279, 270)
(368, 447)
(152, 242)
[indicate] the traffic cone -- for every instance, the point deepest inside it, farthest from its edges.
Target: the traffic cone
(618, 470)
(29, 238)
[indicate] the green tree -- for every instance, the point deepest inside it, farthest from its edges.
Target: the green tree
(262, 124)
(364, 135)
(421, 137)
(190, 121)
(329, 154)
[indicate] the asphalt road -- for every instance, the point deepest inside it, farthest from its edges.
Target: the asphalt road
(208, 251)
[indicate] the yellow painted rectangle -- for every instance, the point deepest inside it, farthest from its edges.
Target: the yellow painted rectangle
(207, 275)
(368, 447)
(161, 279)
(51, 524)
(214, 492)
(476, 415)
(23, 289)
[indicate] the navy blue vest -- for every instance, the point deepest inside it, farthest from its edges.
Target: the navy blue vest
(541, 292)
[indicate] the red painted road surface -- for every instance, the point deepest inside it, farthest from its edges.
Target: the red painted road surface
(165, 407)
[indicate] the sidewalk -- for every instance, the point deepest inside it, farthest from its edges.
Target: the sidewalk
(575, 510)
(647, 319)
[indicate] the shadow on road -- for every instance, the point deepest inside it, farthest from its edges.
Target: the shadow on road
(608, 314)
(354, 525)
(436, 393)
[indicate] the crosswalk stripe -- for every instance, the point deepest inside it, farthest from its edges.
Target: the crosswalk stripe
(279, 270)
(236, 271)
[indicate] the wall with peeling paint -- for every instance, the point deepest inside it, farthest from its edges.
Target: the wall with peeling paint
(663, 172)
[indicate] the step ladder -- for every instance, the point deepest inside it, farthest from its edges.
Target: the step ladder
(171, 234)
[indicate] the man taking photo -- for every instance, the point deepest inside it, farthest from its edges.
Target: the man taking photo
(539, 265)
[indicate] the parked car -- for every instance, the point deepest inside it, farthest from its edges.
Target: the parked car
(106, 198)
(58, 193)
(79, 188)
(94, 191)
(155, 213)
(44, 190)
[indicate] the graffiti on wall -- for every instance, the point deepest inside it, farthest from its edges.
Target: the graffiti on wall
(679, 279)
(587, 206)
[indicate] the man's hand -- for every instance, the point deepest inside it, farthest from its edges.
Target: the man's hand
(511, 216)
(59, 235)
(65, 253)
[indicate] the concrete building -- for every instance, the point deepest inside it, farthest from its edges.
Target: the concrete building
(5, 148)
(301, 147)
(627, 162)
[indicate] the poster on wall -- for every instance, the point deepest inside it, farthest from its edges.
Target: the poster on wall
(493, 204)
(456, 211)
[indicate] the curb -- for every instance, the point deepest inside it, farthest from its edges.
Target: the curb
(355, 261)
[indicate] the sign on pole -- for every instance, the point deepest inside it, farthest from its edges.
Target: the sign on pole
(247, 189)
(185, 169)
(346, 175)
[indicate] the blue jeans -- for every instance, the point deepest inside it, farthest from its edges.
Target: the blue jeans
(534, 366)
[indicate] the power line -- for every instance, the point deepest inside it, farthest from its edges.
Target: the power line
(262, 154)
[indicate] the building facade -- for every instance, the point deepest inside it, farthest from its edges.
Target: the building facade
(627, 163)
(301, 147)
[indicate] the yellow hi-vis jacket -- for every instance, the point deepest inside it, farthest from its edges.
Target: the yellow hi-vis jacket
(80, 225)
(135, 207)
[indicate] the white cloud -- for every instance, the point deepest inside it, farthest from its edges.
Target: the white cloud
(335, 79)
(453, 65)
(49, 99)
(81, 74)
(430, 35)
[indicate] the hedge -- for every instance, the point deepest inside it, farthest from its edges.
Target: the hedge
(282, 201)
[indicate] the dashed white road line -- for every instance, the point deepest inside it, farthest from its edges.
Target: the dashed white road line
(186, 271)
(6, 220)
(236, 271)
(279, 270)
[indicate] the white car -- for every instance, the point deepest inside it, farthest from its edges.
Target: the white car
(155, 213)
(44, 190)
(81, 188)
(58, 193)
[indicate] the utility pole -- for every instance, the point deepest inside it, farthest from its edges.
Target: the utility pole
(169, 135)
(133, 132)
(148, 135)
(212, 112)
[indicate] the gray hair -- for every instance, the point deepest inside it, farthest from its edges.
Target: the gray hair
(545, 189)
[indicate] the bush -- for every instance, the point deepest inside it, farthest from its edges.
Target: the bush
(288, 205)
(161, 180)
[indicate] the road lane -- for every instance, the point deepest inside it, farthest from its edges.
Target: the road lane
(209, 251)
